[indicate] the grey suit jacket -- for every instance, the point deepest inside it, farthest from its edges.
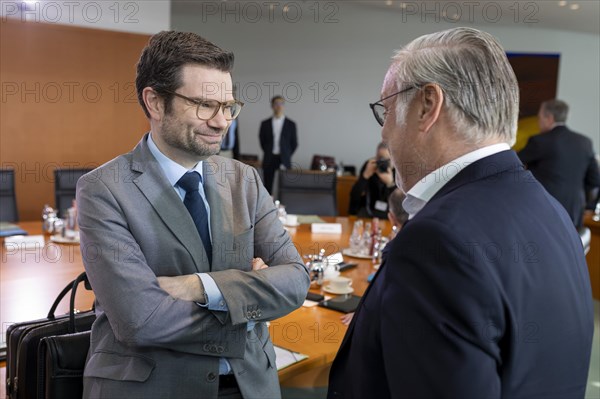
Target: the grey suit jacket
(134, 227)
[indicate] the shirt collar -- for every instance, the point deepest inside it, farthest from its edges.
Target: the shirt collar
(420, 194)
(172, 170)
(282, 117)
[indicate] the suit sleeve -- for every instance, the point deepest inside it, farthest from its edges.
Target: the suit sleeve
(439, 317)
(269, 293)
(293, 138)
(261, 137)
(592, 175)
(140, 313)
(531, 153)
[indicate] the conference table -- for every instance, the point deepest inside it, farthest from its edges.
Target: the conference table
(30, 280)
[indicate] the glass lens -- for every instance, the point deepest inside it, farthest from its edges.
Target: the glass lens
(379, 112)
(208, 109)
(232, 110)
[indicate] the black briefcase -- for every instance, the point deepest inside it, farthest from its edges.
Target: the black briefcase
(61, 361)
(22, 341)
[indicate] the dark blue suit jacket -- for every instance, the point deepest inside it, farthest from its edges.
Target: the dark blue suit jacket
(564, 162)
(485, 293)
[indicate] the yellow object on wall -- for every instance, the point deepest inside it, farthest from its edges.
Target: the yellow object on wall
(527, 127)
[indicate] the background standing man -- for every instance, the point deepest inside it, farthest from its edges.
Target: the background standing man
(278, 140)
(562, 160)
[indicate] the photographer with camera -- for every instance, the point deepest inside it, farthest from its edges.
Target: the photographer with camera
(369, 195)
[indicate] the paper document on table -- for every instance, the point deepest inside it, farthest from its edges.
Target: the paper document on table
(285, 358)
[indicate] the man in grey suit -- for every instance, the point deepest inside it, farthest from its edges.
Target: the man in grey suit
(169, 233)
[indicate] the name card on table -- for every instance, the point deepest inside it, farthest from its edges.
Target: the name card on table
(326, 228)
(24, 242)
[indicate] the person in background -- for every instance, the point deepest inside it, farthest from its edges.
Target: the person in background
(562, 160)
(397, 216)
(396, 213)
(278, 140)
(485, 292)
(369, 195)
(182, 291)
(230, 146)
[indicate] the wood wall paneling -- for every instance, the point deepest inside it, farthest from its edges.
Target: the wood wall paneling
(67, 100)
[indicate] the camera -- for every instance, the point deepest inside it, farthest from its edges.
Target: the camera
(383, 165)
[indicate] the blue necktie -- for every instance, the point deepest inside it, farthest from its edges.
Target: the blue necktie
(190, 182)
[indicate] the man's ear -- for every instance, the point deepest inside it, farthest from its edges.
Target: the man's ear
(432, 99)
(154, 104)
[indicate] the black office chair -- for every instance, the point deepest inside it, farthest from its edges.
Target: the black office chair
(65, 182)
(8, 198)
(308, 192)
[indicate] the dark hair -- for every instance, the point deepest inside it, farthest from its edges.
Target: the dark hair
(557, 108)
(395, 200)
(164, 57)
(382, 146)
(276, 98)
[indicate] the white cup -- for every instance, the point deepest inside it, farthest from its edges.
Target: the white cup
(340, 283)
(331, 271)
(291, 220)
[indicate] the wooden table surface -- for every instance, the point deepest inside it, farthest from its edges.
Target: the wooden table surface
(30, 280)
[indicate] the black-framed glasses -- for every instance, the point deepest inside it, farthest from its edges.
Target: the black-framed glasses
(379, 110)
(208, 109)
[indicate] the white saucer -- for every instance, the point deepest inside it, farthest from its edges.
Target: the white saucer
(291, 225)
(57, 238)
(349, 252)
(331, 290)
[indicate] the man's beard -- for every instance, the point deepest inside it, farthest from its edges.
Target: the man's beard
(172, 134)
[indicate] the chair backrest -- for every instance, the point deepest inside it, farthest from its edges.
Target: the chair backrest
(65, 183)
(8, 198)
(307, 192)
(328, 160)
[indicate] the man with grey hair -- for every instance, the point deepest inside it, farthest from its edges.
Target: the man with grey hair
(484, 293)
(562, 160)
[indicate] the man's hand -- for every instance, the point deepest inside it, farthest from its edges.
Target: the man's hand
(386, 177)
(187, 288)
(370, 168)
(347, 318)
(258, 264)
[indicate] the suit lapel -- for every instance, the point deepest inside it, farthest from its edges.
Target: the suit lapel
(218, 194)
(167, 204)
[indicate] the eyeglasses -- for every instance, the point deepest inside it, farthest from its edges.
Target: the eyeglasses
(379, 110)
(208, 109)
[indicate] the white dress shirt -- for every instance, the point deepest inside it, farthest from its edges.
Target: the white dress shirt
(420, 194)
(277, 124)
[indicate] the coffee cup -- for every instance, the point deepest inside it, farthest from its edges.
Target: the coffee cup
(340, 283)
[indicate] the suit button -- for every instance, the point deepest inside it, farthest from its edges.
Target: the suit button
(248, 314)
(213, 349)
(254, 314)
(206, 348)
(211, 377)
(259, 313)
(220, 349)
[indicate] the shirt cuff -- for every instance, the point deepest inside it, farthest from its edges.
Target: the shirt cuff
(215, 302)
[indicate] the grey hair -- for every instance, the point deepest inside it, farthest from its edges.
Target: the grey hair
(479, 85)
(557, 108)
